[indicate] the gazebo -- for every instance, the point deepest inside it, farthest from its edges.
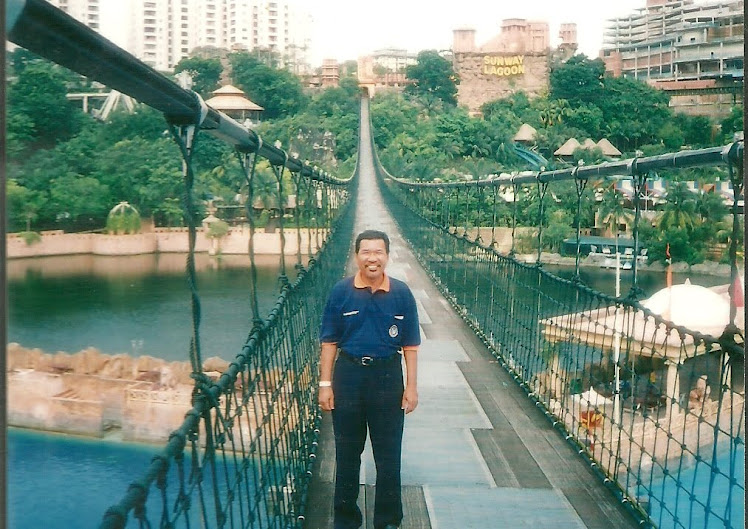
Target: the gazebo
(525, 134)
(232, 101)
(608, 148)
(633, 330)
(568, 148)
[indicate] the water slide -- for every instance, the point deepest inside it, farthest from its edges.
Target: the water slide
(535, 160)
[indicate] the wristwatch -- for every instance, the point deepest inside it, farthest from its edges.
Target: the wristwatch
(325, 384)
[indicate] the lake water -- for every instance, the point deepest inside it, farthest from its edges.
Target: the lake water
(140, 305)
(136, 304)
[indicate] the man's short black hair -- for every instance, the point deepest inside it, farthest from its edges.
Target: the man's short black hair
(373, 235)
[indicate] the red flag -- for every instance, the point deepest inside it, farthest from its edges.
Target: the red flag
(738, 299)
(667, 250)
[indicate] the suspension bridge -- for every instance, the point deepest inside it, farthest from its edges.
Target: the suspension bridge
(543, 402)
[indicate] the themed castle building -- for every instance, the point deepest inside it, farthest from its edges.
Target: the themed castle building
(516, 59)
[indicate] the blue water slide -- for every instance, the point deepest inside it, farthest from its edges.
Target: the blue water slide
(535, 160)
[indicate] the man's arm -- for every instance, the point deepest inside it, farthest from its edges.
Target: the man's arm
(410, 395)
(326, 361)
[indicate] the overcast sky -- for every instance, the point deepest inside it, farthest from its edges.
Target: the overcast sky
(345, 29)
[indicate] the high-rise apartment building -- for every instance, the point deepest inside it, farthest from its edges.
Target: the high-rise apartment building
(162, 32)
(677, 40)
(86, 11)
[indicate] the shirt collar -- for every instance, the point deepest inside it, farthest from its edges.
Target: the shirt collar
(358, 282)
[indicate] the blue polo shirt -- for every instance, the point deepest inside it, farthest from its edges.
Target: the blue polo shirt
(366, 323)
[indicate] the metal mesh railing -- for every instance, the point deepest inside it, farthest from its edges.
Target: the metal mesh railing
(243, 456)
(656, 409)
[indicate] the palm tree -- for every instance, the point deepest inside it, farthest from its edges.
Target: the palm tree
(612, 211)
(680, 208)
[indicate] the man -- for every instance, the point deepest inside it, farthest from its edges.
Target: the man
(370, 322)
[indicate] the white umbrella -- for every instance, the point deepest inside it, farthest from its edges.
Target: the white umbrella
(592, 399)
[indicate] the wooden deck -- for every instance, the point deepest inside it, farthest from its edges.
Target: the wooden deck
(477, 453)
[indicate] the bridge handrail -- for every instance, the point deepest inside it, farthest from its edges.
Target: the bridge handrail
(731, 153)
(51, 33)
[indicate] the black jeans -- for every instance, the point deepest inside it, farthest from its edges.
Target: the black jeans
(368, 397)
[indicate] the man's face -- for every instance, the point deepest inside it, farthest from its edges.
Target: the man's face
(372, 258)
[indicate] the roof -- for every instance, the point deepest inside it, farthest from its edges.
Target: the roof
(674, 304)
(608, 148)
(525, 133)
(568, 148)
(589, 144)
(231, 98)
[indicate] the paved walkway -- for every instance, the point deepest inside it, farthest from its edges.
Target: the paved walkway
(477, 453)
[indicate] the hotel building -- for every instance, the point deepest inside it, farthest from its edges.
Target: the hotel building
(518, 58)
(692, 50)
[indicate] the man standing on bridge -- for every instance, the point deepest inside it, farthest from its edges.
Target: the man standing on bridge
(370, 322)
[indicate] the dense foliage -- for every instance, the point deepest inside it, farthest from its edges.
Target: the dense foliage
(67, 170)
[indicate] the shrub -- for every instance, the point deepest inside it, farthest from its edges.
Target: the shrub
(30, 237)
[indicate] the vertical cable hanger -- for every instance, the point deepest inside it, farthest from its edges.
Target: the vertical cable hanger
(248, 163)
(580, 185)
(542, 189)
(640, 183)
(515, 191)
(278, 171)
(185, 137)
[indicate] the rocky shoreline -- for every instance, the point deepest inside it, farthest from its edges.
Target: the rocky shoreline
(141, 399)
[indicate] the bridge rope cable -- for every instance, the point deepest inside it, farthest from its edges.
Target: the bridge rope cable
(656, 409)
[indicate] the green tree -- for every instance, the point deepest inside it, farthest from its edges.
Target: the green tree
(680, 208)
(587, 118)
(697, 130)
(39, 97)
(579, 80)
(79, 197)
(23, 205)
(733, 123)
(433, 80)
(279, 92)
(141, 172)
(672, 136)
(206, 73)
(612, 211)
(633, 111)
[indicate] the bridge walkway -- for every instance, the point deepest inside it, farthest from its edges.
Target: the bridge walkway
(477, 453)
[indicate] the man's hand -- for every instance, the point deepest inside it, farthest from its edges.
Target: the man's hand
(326, 399)
(410, 399)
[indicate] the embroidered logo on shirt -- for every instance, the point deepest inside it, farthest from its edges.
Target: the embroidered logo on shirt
(393, 331)
(351, 313)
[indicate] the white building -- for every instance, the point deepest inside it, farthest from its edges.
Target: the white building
(86, 11)
(162, 32)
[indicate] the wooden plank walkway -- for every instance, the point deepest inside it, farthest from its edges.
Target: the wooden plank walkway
(477, 453)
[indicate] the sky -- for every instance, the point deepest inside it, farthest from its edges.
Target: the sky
(346, 29)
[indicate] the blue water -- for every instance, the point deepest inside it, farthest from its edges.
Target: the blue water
(671, 506)
(57, 481)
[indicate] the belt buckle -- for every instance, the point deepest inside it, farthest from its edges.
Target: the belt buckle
(366, 360)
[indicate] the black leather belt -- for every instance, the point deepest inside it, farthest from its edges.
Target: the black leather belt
(369, 361)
